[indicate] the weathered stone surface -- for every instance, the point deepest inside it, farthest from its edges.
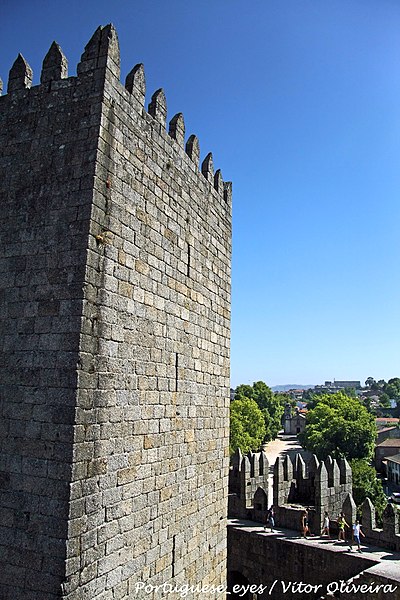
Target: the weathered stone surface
(55, 65)
(177, 128)
(115, 305)
(20, 76)
(135, 83)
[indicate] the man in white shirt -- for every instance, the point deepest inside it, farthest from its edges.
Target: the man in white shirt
(356, 536)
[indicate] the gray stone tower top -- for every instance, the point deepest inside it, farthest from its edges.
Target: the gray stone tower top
(115, 313)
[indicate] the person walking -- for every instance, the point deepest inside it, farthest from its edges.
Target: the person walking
(304, 524)
(270, 519)
(325, 526)
(356, 536)
(341, 525)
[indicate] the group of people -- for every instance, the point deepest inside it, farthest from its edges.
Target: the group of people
(305, 527)
(342, 524)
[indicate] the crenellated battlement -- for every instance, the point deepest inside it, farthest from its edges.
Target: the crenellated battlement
(248, 485)
(55, 65)
(320, 486)
(115, 310)
(20, 76)
(101, 54)
(388, 535)
(99, 66)
(325, 486)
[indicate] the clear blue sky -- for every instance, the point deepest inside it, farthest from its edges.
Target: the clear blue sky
(299, 101)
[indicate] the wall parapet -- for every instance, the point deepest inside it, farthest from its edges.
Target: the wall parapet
(389, 535)
(100, 62)
(248, 485)
(297, 484)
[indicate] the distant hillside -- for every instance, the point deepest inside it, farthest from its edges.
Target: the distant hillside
(291, 386)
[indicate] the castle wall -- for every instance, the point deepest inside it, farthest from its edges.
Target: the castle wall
(142, 387)
(48, 139)
(248, 486)
(263, 559)
(160, 384)
(389, 535)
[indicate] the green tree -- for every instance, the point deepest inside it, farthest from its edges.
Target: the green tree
(396, 382)
(262, 394)
(366, 401)
(308, 394)
(244, 391)
(269, 403)
(271, 407)
(339, 426)
(384, 400)
(392, 388)
(369, 381)
(284, 398)
(367, 485)
(391, 391)
(275, 410)
(247, 425)
(313, 397)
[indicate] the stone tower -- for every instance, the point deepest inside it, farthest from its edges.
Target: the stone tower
(115, 257)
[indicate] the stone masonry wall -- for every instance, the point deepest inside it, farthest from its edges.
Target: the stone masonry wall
(144, 384)
(48, 140)
(263, 559)
(156, 388)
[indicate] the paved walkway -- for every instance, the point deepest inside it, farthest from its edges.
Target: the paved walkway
(282, 445)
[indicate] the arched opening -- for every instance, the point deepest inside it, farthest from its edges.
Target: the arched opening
(260, 505)
(239, 583)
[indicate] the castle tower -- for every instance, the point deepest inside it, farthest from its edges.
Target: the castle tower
(115, 311)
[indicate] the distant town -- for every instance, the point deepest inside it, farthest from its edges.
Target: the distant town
(379, 398)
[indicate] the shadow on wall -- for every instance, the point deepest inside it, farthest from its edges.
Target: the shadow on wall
(237, 584)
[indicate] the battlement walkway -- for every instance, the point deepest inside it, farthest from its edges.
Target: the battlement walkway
(314, 556)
